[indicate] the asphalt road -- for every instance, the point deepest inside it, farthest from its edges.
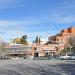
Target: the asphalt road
(37, 67)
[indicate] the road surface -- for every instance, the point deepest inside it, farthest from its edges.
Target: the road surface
(37, 67)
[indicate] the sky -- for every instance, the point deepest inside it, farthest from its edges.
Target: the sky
(35, 17)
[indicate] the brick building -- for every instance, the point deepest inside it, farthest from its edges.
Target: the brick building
(62, 38)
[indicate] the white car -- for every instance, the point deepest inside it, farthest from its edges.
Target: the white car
(15, 58)
(72, 57)
(64, 57)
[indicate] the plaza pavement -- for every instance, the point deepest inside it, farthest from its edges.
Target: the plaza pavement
(37, 67)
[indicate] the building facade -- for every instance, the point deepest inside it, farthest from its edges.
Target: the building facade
(17, 50)
(53, 47)
(62, 38)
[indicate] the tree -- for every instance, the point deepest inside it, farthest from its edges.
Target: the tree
(36, 40)
(70, 47)
(72, 43)
(16, 41)
(2, 45)
(39, 40)
(33, 42)
(23, 40)
(65, 51)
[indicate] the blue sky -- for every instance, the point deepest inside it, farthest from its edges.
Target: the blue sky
(35, 17)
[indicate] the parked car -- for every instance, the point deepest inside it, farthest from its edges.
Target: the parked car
(72, 56)
(67, 57)
(64, 57)
(15, 58)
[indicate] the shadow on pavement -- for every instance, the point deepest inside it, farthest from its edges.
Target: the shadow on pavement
(68, 68)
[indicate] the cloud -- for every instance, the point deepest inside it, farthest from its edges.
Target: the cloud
(12, 34)
(61, 18)
(13, 29)
(19, 22)
(17, 28)
(65, 19)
